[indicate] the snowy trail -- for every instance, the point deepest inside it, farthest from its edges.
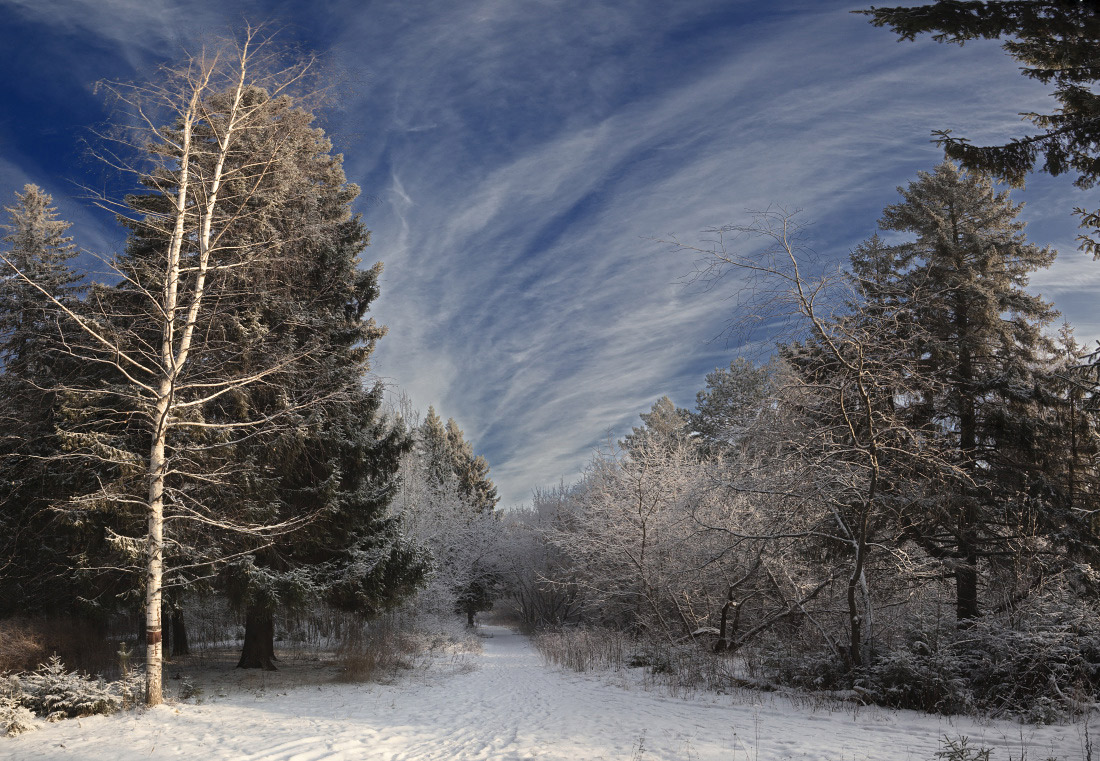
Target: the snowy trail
(510, 708)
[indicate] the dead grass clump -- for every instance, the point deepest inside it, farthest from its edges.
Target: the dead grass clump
(584, 649)
(26, 643)
(21, 646)
(375, 652)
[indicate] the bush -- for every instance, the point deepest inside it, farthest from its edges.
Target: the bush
(586, 649)
(374, 652)
(1042, 669)
(813, 671)
(918, 678)
(82, 643)
(55, 693)
(15, 718)
(21, 646)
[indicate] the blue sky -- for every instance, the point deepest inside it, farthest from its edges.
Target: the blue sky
(519, 159)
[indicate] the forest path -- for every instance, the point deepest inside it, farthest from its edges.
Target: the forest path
(511, 707)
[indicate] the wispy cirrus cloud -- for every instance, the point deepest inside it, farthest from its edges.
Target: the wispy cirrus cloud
(520, 160)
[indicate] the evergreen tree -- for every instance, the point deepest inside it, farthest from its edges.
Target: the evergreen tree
(471, 470)
(296, 309)
(664, 422)
(455, 514)
(227, 398)
(435, 449)
(36, 572)
(733, 399)
(1058, 43)
(982, 350)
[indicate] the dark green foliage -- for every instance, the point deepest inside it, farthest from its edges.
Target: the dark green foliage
(37, 568)
(449, 456)
(1058, 43)
(733, 399)
(478, 595)
(333, 466)
(982, 357)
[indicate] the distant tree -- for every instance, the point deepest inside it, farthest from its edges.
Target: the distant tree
(537, 576)
(446, 502)
(731, 403)
(1058, 43)
(471, 470)
(664, 420)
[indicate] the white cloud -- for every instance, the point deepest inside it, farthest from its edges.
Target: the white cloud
(517, 167)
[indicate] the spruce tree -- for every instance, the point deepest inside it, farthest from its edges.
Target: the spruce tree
(458, 508)
(982, 349)
(472, 471)
(36, 570)
(1058, 43)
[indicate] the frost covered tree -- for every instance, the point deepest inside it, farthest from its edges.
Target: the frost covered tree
(983, 354)
(852, 449)
(35, 548)
(538, 577)
(233, 343)
(733, 400)
(446, 504)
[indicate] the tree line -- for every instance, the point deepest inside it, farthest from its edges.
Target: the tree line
(923, 441)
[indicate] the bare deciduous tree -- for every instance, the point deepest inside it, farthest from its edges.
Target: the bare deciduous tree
(199, 140)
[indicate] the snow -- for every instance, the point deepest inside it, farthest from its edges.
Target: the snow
(505, 705)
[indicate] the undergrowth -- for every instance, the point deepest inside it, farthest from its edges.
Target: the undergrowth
(52, 692)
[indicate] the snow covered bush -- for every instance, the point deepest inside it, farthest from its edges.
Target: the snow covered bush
(919, 677)
(15, 718)
(1046, 666)
(55, 693)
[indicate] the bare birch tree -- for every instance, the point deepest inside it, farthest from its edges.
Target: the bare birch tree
(162, 361)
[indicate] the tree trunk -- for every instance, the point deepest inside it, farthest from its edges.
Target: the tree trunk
(724, 635)
(154, 576)
(470, 616)
(966, 574)
(258, 651)
(180, 645)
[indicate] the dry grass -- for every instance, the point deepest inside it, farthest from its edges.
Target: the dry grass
(376, 652)
(82, 645)
(22, 646)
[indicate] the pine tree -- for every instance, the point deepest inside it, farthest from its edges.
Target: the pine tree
(234, 343)
(982, 350)
(472, 471)
(435, 449)
(1058, 42)
(451, 503)
(296, 308)
(664, 422)
(36, 572)
(732, 401)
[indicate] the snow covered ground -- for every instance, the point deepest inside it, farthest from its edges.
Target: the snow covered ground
(507, 707)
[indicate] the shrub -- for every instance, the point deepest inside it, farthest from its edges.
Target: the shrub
(961, 750)
(15, 718)
(54, 692)
(374, 652)
(21, 646)
(919, 678)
